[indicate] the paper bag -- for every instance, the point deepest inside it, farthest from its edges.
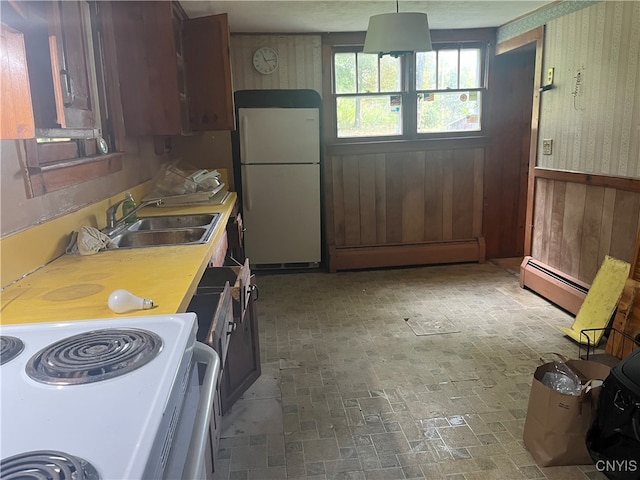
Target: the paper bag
(556, 425)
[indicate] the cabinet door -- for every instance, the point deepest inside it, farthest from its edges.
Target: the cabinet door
(243, 357)
(212, 305)
(15, 103)
(146, 52)
(59, 54)
(215, 429)
(208, 72)
(235, 238)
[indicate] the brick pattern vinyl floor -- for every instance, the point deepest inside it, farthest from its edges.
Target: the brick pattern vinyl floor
(348, 391)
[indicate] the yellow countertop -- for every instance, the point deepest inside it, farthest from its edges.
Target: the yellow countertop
(75, 287)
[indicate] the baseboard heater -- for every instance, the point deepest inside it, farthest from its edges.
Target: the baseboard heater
(557, 287)
(352, 258)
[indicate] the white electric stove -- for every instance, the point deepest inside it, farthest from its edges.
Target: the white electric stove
(116, 398)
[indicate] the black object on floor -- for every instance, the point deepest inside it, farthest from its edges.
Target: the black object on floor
(614, 439)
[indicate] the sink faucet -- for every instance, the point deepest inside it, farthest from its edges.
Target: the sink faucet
(112, 211)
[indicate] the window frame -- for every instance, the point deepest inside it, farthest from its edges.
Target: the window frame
(402, 93)
(459, 46)
(483, 38)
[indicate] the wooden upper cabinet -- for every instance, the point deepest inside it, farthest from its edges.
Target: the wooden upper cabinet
(208, 72)
(146, 52)
(58, 57)
(16, 115)
(175, 74)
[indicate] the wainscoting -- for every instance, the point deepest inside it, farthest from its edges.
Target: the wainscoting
(408, 207)
(576, 224)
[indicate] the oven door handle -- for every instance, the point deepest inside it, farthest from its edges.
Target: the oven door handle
(196, 456)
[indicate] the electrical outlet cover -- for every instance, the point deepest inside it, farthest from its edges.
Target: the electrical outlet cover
(547, 146)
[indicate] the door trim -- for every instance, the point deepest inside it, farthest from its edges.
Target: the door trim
(533, 36)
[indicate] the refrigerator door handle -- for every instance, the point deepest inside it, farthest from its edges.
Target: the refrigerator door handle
(246, 193)
(245, 136)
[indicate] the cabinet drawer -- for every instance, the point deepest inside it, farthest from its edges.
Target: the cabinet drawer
(213, 306)
(239, 279)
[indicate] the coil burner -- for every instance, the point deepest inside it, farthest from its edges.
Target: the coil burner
(94, 356)
(47, 464)
(10, 348)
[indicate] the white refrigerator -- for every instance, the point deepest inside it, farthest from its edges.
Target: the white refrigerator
(280, 171)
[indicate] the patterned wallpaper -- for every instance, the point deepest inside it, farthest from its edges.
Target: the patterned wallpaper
(300, 62)
(592, 114)
(541, 17)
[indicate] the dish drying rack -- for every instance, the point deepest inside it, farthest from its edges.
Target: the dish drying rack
(185, 185)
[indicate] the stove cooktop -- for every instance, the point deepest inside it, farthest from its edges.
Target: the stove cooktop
(50, 465)
(10, 348)
(94, 356)
(103, 427)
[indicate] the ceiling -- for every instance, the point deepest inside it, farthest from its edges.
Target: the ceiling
(309, 16)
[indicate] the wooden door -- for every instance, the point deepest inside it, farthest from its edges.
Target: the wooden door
(507, 163)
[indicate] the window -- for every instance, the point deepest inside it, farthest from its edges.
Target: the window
(448, 90)
(368, 95)
(382, 97)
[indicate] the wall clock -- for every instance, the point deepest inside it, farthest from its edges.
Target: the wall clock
(265, 60)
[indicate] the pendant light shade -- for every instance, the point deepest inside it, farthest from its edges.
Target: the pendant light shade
(398, 33)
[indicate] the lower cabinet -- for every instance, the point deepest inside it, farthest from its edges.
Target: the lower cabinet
(225, 303)
(215, 425)
(213, 306)
(243, 357)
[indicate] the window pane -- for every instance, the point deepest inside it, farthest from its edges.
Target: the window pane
(369, 116)
(447, 69)
(449, 111)
(345, 72)
(470, 68)
(426, 70)
(367, 73)
(390, 74)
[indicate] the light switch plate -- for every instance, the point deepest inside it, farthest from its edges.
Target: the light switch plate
(547, 146)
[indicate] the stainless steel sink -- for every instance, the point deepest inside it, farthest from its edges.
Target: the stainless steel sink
(166, 230)
(173, 221)
(149, 238)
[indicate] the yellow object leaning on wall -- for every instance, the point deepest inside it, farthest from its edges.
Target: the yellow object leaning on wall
(600, 303)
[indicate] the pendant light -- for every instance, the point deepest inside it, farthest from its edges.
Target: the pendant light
(397, 33)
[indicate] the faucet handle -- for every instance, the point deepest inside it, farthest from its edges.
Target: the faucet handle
(112, 212)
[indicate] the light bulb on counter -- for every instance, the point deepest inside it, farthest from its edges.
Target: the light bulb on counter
(122, 301)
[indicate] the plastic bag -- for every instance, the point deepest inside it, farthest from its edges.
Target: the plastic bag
(562, 379)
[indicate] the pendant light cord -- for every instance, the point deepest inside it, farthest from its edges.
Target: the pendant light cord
(397, 9)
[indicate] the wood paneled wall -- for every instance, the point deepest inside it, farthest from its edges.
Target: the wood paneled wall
(586, 198)
(404, 198)
(576, 225)
(300, 62)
